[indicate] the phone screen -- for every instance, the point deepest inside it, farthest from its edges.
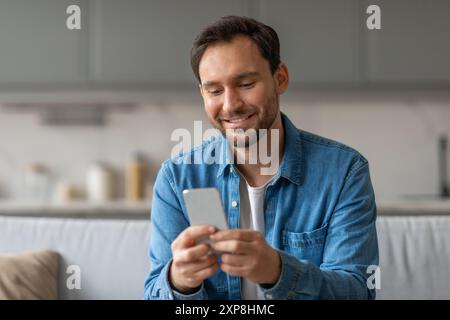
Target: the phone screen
(204, 206)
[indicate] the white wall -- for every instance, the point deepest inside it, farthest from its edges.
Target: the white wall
(396, 133)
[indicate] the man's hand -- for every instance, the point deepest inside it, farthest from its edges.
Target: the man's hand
(192, 263)
(247, 254)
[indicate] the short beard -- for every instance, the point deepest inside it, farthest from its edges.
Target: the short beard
(254, 137)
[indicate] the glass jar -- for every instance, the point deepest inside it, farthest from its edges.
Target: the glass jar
(36, 183)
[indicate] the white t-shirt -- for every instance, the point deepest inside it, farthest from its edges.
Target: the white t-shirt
(251, 217)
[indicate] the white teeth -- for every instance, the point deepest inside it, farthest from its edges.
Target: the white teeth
(238, 120)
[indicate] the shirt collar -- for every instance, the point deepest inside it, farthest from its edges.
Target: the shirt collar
(291, 164)
(226, 156)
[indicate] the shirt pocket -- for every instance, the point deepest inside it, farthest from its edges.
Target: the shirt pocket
(305, 245)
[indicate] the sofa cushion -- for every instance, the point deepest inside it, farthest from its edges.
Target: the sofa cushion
(29, 275)
(414, 257)
(108, 256)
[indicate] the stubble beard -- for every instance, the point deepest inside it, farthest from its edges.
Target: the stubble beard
(265, 121)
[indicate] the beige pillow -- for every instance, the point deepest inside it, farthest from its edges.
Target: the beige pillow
(29, 275)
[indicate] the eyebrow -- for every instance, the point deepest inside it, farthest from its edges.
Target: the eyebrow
(238, 77)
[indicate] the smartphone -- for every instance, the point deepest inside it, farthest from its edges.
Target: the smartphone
(204, 206)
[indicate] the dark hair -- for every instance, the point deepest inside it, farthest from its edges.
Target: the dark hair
(226, 28)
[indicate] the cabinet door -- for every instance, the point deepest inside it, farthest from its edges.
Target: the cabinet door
(147, 42)
(36, 45)
(319, 39)
(413, 44)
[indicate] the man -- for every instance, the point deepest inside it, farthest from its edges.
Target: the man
(305, 231)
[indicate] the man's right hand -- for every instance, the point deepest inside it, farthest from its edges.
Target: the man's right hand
(192, 263)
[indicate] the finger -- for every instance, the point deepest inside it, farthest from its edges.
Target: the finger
(188, 237)
(235, 260)
(191, 265)
(236, 234)
(192, 254)
(232, 246)
(205, 273)
(189, 269)
(233, 270)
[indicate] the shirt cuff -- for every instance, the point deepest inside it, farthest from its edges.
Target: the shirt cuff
(200, 294)
(284, 288)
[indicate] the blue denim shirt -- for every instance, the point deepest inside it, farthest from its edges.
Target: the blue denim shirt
(319, 214)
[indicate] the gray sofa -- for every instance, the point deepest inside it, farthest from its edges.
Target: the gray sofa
(112, 254)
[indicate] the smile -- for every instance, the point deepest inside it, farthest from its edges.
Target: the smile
(238, 120)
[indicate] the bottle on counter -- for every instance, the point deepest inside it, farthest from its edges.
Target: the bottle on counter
(99, 182)
(66, 192)
(135, 178)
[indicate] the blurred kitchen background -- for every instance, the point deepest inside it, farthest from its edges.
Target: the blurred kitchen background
(86, 116)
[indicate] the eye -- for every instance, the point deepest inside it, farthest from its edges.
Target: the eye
(246, 85)
(215, 92)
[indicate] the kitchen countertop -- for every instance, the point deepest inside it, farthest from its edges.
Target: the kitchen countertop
(110, 209)
(414, 206)
(141, 210)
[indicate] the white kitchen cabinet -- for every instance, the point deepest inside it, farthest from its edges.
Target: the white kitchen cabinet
(37, 48)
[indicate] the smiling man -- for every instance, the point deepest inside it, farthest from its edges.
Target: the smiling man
(305, 231)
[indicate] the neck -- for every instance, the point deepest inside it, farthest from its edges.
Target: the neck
(267, 163)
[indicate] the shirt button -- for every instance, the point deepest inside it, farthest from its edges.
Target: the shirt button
(234, 204)
(269, 296)
(231, 169)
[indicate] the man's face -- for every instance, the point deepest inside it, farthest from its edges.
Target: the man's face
(238, 88)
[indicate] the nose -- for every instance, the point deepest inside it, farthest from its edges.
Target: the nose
(232, 101)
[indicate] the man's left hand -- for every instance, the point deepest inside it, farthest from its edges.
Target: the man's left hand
(247, 254)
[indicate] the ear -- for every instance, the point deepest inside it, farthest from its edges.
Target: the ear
(201, 90)
(281, 77)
